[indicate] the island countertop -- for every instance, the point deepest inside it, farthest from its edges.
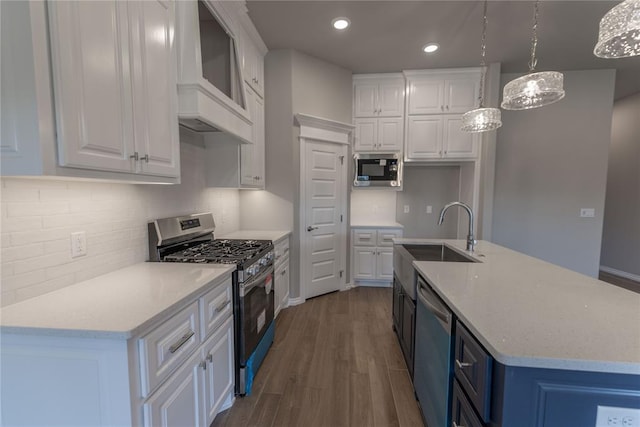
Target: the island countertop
(115, 305)
(530, 313)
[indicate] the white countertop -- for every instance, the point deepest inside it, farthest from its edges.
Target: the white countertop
(375, 224)
(528, 312)
(115, 305)
(273, 235)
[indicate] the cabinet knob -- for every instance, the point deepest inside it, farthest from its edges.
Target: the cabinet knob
(447, 108)
(442, 108)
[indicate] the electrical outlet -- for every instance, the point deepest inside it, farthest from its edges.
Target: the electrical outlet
(78, 244)
(608, 416)
(407, 209)
(429, 209)
(587, 213)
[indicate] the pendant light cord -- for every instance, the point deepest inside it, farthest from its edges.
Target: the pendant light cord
(483, 66)
(534, 39)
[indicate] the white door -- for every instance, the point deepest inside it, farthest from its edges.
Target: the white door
(325, 200)
(92, 84)
(390, 134)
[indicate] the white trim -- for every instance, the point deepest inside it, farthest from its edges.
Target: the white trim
(348, 286)
(630, 276)
(318, 129)
(295, 301)
(373, 284)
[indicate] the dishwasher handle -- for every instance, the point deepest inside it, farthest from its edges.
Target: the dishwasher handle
(433, 304)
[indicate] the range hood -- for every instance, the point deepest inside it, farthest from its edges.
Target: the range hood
(211, 93)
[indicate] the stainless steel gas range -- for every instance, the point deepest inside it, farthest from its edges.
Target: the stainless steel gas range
(190, 238)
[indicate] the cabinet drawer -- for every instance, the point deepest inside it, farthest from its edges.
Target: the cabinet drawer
(215, 306)
(385, 237)
(364, 237)
(281, 250)
(167, 347)
(462, 414)
(473, 370)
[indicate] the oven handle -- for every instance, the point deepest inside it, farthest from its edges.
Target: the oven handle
(254, 281)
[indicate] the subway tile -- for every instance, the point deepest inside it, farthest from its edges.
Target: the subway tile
(53, 246)
(22, 209)
(44, 287)
(27, 223)
(41, 262)
(53, 194)
(76, 265)
(68, 220)
(5, 240)
(37, 184)
(7, 298)
(20, 194)
(6, 270)
(23, 280)
(16, 253)
(27, 237)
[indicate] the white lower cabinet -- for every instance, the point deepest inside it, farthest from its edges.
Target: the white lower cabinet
(372, 255)
(217, 373)
(282, 275)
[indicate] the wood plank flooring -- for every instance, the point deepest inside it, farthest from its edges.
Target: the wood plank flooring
(335, 361)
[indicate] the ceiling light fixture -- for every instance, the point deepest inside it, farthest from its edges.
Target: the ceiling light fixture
(430, 47)
(482, 119)
(340, 23)
(619, 35)
(533, 90)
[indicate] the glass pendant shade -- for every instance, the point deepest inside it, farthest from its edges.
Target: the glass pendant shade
(481, 120)
(619, 35)
(533, 90)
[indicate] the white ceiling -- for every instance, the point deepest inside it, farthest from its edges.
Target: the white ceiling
(386, 36)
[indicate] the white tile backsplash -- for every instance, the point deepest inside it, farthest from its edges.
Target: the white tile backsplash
(38, 216)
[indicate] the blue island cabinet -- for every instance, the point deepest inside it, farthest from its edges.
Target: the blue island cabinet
(537, 397)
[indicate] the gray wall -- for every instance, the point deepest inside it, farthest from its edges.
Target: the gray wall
(550, 162)
(294, 83)
(621, 235)
(435, 186)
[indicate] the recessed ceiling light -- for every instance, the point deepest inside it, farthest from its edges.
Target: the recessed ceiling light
(340, 23)
(430, 47)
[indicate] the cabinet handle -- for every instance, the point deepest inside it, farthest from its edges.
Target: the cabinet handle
(463, 365)
(145, 158)
(203, 365)
(442, 108)
(222, 306)
(286, 250)
(181, 342)
(210, 358)
(310, 228)
(135, 156)
(447, 108)
(283, 272)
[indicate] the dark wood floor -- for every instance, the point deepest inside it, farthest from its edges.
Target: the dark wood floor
(623, 282)
(335, 361)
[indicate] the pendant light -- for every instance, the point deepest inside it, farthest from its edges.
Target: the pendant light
(533, 90)
(619, 35)
(482, 119)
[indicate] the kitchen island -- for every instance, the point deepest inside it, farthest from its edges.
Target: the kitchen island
(137, 346)
(560, 343)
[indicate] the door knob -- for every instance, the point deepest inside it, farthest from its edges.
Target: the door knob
(310, 228)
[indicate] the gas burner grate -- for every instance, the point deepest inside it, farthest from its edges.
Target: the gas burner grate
(225, 251)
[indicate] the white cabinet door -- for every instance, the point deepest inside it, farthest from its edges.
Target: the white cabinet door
(247, 150)
(424, 137)
(366, 134)
(154, 85)
(365, 99)
(364, 263)
(91, 79)
(258, 142)
(384, 265)
(391, 99)
(458, 144)
(218, 371)
(461, 94)
(177, 402)
(390, 134)
(426, 96)
(281, 286)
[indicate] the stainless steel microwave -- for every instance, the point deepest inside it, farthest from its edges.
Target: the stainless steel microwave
(377, 170)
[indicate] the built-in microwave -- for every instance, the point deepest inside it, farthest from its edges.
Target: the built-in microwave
(377, 170)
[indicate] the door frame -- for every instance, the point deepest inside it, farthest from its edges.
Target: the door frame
(318, 129)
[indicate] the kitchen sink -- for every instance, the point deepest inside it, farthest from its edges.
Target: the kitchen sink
(431, 252)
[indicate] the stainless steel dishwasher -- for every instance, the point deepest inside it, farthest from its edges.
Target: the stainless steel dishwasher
(432, 372)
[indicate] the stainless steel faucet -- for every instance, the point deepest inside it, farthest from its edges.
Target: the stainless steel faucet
(471, 240)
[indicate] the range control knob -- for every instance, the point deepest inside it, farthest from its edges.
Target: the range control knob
(250, 271)
(263, 261)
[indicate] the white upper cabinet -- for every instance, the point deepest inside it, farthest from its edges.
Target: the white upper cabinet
(112, 76)
(253, 52)
(439, 137)
(114, 85)
(378, 95)
(438, 92)
(383, 134)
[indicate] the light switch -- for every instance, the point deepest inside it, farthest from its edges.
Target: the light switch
(429, 209)
(407, 209)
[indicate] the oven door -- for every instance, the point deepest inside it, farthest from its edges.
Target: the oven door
(257, 307)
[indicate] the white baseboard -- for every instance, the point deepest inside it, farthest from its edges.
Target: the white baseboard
(620, 273)
(295, 301)
(373, 284)
(348, 286)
